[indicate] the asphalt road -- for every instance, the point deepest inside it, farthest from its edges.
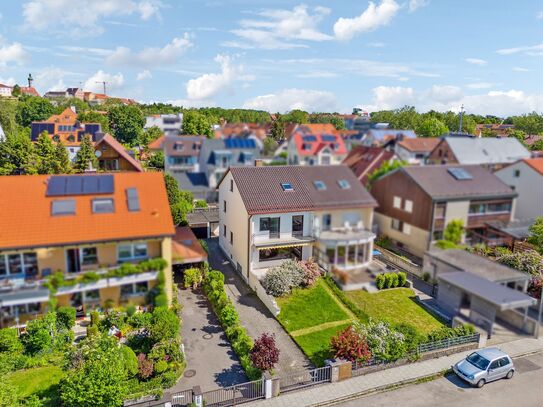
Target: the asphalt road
(525, 389)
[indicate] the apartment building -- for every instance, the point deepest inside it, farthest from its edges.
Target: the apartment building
(416, 203)
(312, 148)
(270, 214)
(415, 150)
(77, 224)
(170, 124)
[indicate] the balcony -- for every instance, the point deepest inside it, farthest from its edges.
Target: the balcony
(282, 239)
(346, 235)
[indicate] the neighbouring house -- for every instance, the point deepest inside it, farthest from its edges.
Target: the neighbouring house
(309, 128)
(247, 131)
(379, 137)
(512, 234)
(492, 152)
(531, 139)
(66, 128)
(76, 93)
(526, 178)
(364, 160)
(29, 91)
(85, 227)
(112, 156)
(416, 203)
(181, 153)
(270, 214)
(204, 222)
(5, 90)
(169, 124)
(325, 148)
(57, 94)
(186, 249)
(415, 150)
(495, 130)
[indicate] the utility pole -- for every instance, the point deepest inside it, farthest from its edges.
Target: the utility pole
(104, 83)
(461, 117)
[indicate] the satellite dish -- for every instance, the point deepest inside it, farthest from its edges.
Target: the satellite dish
(98, 153)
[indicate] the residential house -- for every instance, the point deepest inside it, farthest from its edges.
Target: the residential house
(379, 137)
(66, 128)
(415, 150)
(5, 90)
(247, 131)
(364, 160)
(309, 128)
(74, 224)
(57, 94)
(270, 214)
(181, 153)
(491, 152)
(526, 178)
(494, 130)
(204, 222)
(76, 93)
(112, 156)
(29, 91)
(169, 124)
(323, 148)
(417, 202)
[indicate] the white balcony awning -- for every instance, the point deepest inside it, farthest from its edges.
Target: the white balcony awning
(289, 241)
(20, 297)
(109, 282)
(347, 236)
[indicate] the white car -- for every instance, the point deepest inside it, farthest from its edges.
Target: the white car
(485, 365)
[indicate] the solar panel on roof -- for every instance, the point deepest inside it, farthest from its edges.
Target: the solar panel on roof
(460, 174)
(309, 139)
(329, 138)
(62, 185)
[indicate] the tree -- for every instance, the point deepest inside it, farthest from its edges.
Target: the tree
(156, 160)
(9, 341)
(17, 155)
(63, 164)
(90, 116)
(164, 325)
(431, 127)
(536, 235)
(270, 145)
(196, 123)
(40, 334)
(16, 91)
(85, 156)
(384, 169)
(454, 231)
(45, 153)
(149, 135)
(531, 123)
(8, 114)
(519, 135)
(296, 116)
(277, 131)
(65, 318)
(265, 354)
(127, 123)
(351, 346)
(181, 202)
(32, 108)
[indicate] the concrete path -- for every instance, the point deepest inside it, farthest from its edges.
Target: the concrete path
(254, 315)
(211, 362)
(333, 393)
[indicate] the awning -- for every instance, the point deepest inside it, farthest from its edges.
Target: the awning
(281, 246)
(21, 297)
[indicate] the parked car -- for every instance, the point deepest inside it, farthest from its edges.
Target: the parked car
(485, 365)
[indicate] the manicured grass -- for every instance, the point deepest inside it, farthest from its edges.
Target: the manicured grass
(316, 345)
(395, 306)
(309, 307)
(41, 381)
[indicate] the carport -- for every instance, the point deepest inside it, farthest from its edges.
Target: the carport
(485, 301)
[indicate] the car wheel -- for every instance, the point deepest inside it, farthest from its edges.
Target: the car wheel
(510, 374)
(480, 383)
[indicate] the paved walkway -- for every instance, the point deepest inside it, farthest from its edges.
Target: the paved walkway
(357, 386)
(254, 315)
(211, 362)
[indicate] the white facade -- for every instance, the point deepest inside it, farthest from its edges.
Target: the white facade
(170, 124)
(411, 157)
(5, 90)
(324, 157)
(528, 183)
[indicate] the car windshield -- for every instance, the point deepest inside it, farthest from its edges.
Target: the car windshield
(478, 361)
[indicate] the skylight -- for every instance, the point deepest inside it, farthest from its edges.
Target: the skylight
(344, 184)
(102, 205)
(63, 207)
(320, 185)
(287, 186)
(460, 173)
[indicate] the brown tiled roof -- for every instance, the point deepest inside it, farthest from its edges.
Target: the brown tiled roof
(364, 160)
(118, 147)
(420, 144)
(438, 183)
(186, 248)
(261, 191)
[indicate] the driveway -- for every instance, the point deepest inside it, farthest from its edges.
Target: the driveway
(254, 315)
(211, 362)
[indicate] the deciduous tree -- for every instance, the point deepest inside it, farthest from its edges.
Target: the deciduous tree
(265, 354)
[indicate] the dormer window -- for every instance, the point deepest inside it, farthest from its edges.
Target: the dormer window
(344, 184)
(102, 205)
(287, 186)
(320, 185)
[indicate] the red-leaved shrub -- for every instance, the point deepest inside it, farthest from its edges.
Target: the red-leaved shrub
(265, 354)
(349, 345)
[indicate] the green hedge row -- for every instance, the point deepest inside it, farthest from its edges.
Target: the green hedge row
(390, 280)
(361, 315)
(240, 340)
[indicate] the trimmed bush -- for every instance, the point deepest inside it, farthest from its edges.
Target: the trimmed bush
(164, 324)
(95, 318)
(192, 277)
(380, 281)
(388, 280)
(228, 316)
(92, 331)
(393, 280)
(446, 332)
(65, 318)
(130, 360)
(402, 279)
(130, 310)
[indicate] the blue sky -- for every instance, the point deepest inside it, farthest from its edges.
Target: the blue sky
(278, 55)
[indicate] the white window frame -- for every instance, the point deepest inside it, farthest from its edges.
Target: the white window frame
(132, 249)
(81, 255)
(397, 202)
(406, 230)
(6, 264)
(408, 205)
(133, 292)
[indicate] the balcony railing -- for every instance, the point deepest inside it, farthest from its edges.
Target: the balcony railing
(273, 239)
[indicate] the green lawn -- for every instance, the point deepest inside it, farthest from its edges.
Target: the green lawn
(395, 306)
(305, 308)
(41, 381)
(316, 345)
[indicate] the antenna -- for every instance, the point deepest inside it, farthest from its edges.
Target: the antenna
(461, 117)
(103, 83)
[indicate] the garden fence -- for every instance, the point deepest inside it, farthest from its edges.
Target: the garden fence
(447, 343)
(224, 397)
(305, 378)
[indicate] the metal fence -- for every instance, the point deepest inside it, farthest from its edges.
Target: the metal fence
(182, 399)
(305, 378)
(448, 343)
(224, 397)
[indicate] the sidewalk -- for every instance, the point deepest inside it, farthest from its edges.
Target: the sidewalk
(357, 386)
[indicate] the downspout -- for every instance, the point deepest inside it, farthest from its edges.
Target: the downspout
(249, 241)
(432, 221)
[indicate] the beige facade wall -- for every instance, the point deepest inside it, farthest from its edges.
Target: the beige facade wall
(416, 242)
(457, 210)
(54, 259)
(110, 294)
(340, 216)
(166, 253)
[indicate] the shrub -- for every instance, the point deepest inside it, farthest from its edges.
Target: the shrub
(38, 336)
(140, 319)
(380, 281)
(130, 310)
(412, 337)
(95, 318)
(130, 360)
(234, 332)
(9, 341)
(385, 343)
(92, 331)
(402, 279)
(349, 345)
(446, 332)
(311, 272)
(228, 316)
(113, 318)
(265, 354)
(243, 345)
(361, 315)
(192, 277)
(161, 366)
(164, 324)
(89, 277)
(393, 280)
(388, 280)
(168, 350)
(145, 367)
(65, 318)
(426, 276)
(280, 281)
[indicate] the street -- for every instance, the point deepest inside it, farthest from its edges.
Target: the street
(524, 390)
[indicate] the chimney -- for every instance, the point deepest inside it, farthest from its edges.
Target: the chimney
(259, 163)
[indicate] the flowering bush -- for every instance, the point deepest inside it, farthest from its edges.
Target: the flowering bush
(349, 344)
(536, 284)
(384, 342)
(192, 277)
(281, 280)
(265, 354)
(311, 272)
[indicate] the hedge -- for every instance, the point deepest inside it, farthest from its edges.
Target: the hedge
(390, 280)
(361, 315)
(213, 285)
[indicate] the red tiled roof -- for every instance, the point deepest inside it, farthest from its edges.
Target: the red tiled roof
(364, 160)
(118, 147)
(536, 164)
(186, 248)
(158, 144)
(420, 144)
(306, 147)
(27, 220)
(29, 90)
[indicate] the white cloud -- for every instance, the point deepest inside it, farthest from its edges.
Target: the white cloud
(99, 52)
(476, 61)
(53, 78)
(480, 85)
(82, 17)
(8, 81)
(416, 4)
(207, 86)
(151, 56)
(444, 98)
(520, 69)
(288, 99)
(143, 75)
(534, 50)
(281, 29)
(539, 15)
(372, 18)
(13, 52)
(318, 74)
(94, 83)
